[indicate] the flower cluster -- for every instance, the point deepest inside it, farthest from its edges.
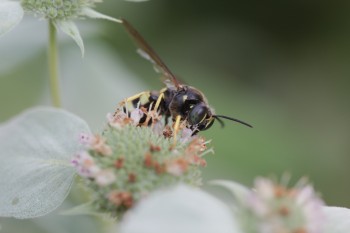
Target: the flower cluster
(275, 208)
(130, 159)
(57, 9)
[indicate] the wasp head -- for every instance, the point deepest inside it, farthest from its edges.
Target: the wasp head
(200, 117)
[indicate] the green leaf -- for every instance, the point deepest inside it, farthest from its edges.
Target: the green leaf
(36, 149)
(84, 209)
(11, 13)
(71, 30)
(179, 209)
(97, 15)
(239, 191)
(337, 220)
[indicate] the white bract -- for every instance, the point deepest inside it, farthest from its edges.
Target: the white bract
(60, 12)
(338, 220)
(179, 209)
(11, 13)
(238, 191)
(35, 170)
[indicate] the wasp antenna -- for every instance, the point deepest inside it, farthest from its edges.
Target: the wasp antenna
(220, 121)
(233, 119)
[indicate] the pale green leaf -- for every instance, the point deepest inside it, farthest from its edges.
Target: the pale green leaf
(239, 191)
(84, 209)
(179, 209)
(337, 220)
(36, 149)
(97, 15)
(11, 13)
(71, 30)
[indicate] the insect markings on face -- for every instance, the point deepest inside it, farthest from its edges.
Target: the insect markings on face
(185, 105)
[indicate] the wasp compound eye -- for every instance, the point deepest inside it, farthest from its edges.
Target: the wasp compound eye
(197, 114)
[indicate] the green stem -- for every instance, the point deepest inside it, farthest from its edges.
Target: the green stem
(53, 66)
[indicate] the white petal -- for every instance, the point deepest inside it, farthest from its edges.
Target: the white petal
(11, 13)
(338, 220)
(97, 15)
(239, 191)
(36, 149)
(71, 30)
(179, 209)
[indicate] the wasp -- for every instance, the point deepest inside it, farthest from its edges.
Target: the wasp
(184, 105)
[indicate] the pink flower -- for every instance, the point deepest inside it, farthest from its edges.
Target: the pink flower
(85, 139)
(177, 167)
(85, 164)
(98, 143)
(118, 119)
(105, 177)
(136, 115)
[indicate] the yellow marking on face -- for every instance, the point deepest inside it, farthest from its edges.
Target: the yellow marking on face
(209, 121)
(184, 98)
(203, 118)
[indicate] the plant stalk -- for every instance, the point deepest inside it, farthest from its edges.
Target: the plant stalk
(53, 66)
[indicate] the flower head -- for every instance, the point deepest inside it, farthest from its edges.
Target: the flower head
(134, 159)
(277, 208)
(57, 9)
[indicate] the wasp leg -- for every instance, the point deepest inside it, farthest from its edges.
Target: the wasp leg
(149, 115)
(160, 97)
(134, 101)
(134, 97)
(176, 128)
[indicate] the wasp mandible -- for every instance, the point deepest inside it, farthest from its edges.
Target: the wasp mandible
(185, 105)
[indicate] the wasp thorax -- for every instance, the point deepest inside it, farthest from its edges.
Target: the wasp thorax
(57, 9)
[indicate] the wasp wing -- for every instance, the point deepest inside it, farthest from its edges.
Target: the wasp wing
(147, 52)
(145, 55)
(168, 82)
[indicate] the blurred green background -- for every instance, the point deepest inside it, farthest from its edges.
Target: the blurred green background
(282, 66)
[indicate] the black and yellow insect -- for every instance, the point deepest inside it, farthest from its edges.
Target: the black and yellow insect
(182, 103)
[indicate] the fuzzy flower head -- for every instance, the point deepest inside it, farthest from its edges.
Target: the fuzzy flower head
(130, 159)
(278, 209)
(57, 9)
